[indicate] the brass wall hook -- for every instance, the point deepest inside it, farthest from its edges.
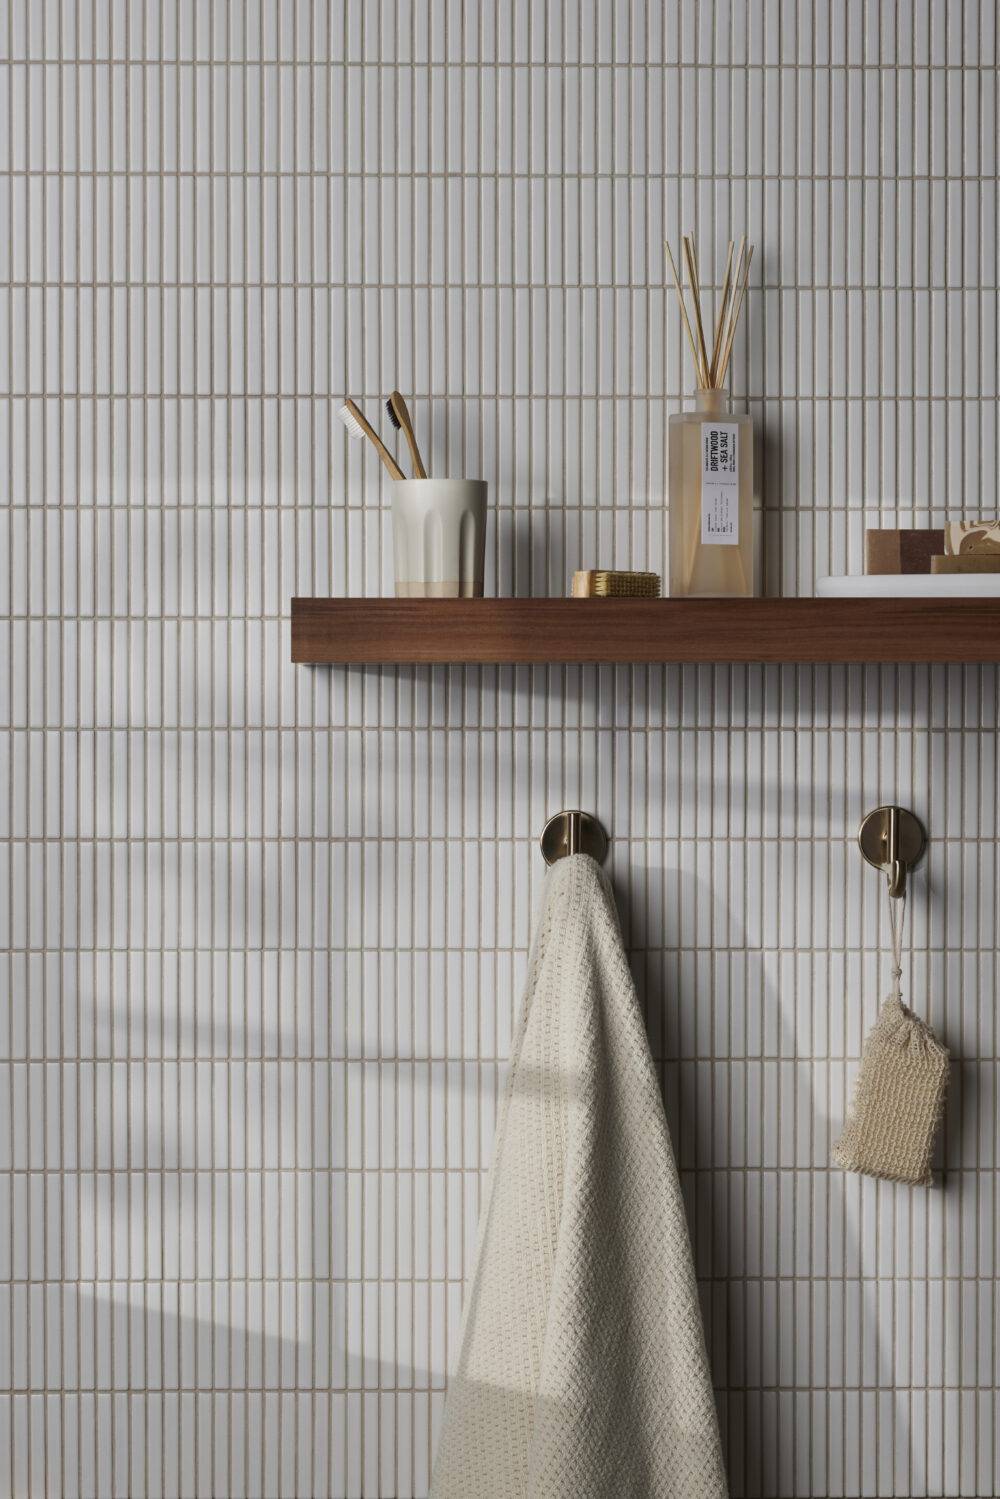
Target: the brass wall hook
(573, 833)
(892, 839)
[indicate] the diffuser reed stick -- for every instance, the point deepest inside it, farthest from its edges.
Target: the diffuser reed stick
(680, 298)
(692, 266)
(727, 352)
(721, 308)
(710, 373)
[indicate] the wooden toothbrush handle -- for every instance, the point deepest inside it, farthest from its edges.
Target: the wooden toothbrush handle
(373, 437)
(418, 463)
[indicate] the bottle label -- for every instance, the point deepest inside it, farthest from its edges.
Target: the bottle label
(720, 484)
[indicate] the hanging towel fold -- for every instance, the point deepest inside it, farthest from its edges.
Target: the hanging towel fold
(582, 1372)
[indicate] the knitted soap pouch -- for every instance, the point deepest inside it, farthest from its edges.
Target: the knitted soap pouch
(899, 1094)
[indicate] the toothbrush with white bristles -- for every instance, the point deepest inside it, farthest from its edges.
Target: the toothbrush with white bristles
(358, 426)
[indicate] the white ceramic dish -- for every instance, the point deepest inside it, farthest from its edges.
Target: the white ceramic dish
(912, 586)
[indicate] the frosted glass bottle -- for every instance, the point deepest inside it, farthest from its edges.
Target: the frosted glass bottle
(713, 520)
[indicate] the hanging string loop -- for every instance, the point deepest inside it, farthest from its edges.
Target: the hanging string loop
(897, 913)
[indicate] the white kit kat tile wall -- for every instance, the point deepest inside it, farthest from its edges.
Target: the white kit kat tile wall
(264, 928)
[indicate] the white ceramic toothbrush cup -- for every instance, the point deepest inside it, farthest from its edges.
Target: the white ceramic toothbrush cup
(439, 537)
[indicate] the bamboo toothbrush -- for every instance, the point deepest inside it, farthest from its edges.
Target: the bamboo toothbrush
(358, 426)
(400, 417)
(710, 373)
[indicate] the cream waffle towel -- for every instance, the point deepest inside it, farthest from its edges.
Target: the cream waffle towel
(582, 1372)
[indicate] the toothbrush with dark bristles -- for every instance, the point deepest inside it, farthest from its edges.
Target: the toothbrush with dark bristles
(358, 427)
(399, 415)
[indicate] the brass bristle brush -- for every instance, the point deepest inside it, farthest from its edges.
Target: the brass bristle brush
(711, 370)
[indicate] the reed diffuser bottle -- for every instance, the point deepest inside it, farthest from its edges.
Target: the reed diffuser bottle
(714, 511)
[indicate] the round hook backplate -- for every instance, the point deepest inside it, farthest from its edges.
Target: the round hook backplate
(873, 837)
(590, 837)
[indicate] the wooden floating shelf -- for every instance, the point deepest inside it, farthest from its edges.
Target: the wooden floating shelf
(362, 631)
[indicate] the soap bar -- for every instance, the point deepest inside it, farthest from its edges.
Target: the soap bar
(905, 550)
(972, 536)
(968, 562)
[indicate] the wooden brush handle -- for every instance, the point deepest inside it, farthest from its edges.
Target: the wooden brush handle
(403, 417)
(373, 437)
